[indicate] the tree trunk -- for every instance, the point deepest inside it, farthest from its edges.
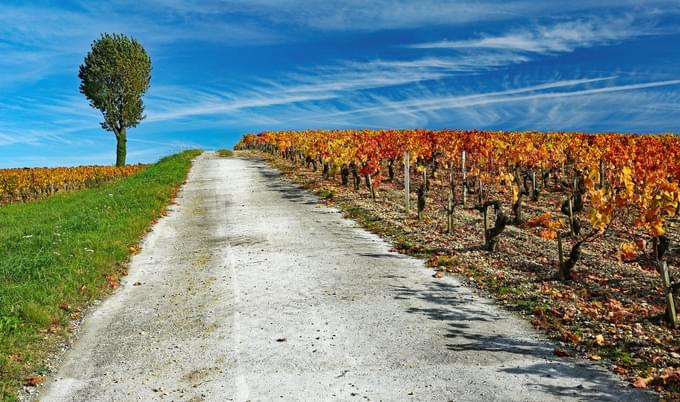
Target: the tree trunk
(121, 147)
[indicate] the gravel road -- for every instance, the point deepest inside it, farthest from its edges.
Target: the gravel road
(250, 290)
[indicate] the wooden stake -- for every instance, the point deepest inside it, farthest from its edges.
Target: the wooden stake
(407, 179)
(479, 181)
(486, 227)
(425, 178)
(449, 212)
(671, 316)
(571, 218)
(559, 250)
(462, 158)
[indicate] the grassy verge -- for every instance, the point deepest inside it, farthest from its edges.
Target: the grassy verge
(225, 153)
(59, 254)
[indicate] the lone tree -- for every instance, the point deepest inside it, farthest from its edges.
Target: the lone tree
(114, 76)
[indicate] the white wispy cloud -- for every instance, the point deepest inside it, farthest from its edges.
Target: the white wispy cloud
(420, 86)
(41, 40)
(563, 36)
(314, 84)
(641, 109)
(362, 15)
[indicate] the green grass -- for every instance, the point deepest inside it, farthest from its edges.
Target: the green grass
(225, 153)
(56, 254)
(327, 193)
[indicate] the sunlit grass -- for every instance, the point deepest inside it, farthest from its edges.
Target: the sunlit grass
(56, 254)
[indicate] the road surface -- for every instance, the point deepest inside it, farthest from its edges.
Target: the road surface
(250, 290)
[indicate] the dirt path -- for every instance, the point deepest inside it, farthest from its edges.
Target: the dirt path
(251, 291)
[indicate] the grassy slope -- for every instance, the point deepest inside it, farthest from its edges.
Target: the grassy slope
(59, 252)
(225, 153)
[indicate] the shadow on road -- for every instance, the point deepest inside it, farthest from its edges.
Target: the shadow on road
(472, 327)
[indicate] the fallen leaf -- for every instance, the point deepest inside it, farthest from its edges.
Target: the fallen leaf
(596, 357)
(438, 274)
(33, 381)
(113, 281)
(573, 338)
(599, 339)
(641, 382)
(560, 352)
(621, 370)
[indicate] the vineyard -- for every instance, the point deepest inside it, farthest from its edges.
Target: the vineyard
(585, 224)
(21, 185)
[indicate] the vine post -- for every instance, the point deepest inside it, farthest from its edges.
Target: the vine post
(449, 210)
(485, 211)
(670, 303)
(462, 158)
(659, 249)
(407, 184)
(370, 186)
(480, 190)
(560, 251)
(449, 214)
(571, 218)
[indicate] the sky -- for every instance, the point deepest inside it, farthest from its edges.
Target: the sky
(225, 68)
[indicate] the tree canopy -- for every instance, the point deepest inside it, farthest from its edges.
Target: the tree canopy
(114, 76)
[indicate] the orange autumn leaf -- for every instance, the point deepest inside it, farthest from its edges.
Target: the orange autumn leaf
(33, 381)
(113, 281)
(548, 234)
(642, 382)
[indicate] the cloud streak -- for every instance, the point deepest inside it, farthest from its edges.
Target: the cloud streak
(556, 38)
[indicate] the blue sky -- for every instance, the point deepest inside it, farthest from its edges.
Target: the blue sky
(223, 68)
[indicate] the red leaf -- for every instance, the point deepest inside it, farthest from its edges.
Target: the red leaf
(33, 381)
(640, 383)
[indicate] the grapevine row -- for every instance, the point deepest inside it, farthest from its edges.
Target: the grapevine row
(607, 180)
(20, 185)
